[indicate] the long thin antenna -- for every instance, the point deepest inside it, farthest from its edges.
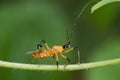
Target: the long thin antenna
(74, 24)
(76, 20)
(69, 36)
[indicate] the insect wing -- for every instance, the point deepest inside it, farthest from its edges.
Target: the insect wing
(31, 52)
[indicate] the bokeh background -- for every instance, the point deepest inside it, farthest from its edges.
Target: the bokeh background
(23, 24)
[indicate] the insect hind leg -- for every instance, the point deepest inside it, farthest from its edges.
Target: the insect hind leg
(39, 46)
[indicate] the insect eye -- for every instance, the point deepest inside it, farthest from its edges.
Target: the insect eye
(66, 46)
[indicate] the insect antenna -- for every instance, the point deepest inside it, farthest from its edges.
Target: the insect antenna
(76, 21)
(69, 36)
(85, 6)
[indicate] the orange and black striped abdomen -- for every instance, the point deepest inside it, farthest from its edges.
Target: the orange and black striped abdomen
(45, 53)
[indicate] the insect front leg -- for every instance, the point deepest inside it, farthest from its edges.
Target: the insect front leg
(78, 51)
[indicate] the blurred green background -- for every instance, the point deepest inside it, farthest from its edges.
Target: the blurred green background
(23, 24)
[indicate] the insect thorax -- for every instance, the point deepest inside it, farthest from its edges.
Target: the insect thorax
(57, 49)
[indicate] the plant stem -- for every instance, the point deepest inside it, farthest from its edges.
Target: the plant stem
(61, 67)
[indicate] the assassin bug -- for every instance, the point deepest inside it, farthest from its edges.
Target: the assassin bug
(44, 51)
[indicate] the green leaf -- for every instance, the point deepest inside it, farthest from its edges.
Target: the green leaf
(101, 3)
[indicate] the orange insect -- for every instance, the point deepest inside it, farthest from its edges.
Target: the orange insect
(44, 52)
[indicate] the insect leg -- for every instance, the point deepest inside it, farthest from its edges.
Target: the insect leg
(33, 60)
(73, 48)
(68, 50)
(66, 59)
(39, 46)
(78, 51)
(56, 59)
(44, 42)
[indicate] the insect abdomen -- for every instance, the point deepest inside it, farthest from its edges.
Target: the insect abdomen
(42, 54)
